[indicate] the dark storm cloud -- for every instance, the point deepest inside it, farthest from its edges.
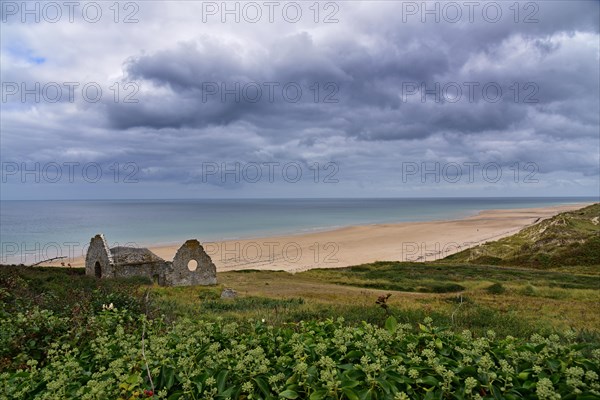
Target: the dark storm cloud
(369, 115)
(370, 78)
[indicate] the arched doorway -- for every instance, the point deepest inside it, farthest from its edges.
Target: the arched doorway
(97, 270)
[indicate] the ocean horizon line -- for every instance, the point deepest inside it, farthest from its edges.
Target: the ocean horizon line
(317, 198)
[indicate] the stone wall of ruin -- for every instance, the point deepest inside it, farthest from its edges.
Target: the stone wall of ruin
(155, 272)
(98, 252)
(205, 272)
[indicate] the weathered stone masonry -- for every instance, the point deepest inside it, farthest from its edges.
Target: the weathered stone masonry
(191, 265)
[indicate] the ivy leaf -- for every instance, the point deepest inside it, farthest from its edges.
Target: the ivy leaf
(350, 394)
(175, 395)
(430, 380)
(347, 384)
(318, 395)
(221, 380)
(263, 386)
(289, 394)
(391, 324)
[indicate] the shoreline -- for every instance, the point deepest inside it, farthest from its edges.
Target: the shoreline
(360, 244)
(332, 228)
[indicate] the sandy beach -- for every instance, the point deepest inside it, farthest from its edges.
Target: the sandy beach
(353, 245)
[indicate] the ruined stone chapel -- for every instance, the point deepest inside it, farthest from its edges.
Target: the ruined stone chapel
(190, 266)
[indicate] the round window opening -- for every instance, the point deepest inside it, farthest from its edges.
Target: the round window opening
(192, 265)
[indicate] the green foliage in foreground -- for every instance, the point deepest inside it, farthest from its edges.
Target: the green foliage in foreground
(130, 357)
(58, 341)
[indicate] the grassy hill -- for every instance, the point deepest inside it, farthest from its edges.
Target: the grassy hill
(567, 239)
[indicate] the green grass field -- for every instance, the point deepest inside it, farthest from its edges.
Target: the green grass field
(512, 301)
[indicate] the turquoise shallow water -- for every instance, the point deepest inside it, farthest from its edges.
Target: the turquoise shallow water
(35, 230)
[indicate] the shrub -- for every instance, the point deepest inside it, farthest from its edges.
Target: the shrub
(496, 288)
(529, 290)
(316, 360)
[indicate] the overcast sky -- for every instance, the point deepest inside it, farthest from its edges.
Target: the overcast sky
(338, 99)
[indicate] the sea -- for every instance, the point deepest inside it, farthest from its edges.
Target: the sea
(36, 230)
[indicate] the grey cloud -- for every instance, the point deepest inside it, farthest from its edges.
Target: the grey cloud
(369, 55)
